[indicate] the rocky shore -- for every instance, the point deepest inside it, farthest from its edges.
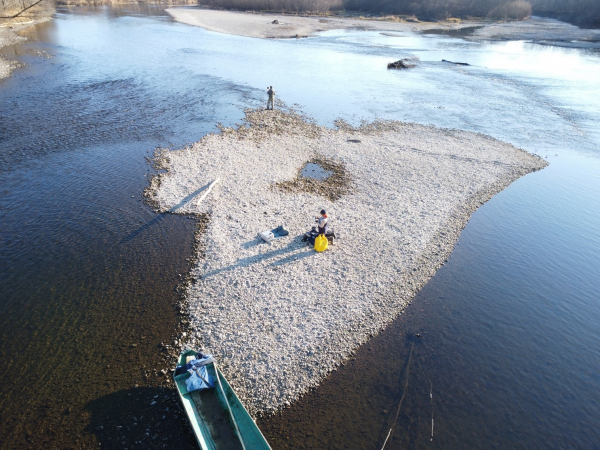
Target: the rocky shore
(280, 317)
(11, 27)
(8, 37)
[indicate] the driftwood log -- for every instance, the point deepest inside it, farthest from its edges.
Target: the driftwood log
(457, 63)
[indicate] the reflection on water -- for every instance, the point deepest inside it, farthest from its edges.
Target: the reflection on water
(315, 171)
(510, 340)
(88, 272)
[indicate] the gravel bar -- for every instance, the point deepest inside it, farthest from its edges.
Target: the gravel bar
(279, 317)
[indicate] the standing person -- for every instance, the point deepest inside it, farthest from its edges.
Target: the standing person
(322, 222)
(271, 99)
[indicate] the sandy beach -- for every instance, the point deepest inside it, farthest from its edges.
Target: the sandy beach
(280, 317)
(260, 25)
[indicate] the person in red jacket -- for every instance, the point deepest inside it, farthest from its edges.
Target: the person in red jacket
(322, 222)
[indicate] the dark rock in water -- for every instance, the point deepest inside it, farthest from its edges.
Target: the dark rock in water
(275, 22)
(404, 63)
(457, 63)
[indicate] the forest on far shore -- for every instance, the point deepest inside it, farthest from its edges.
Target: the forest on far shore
(581, 12)
(584, 13)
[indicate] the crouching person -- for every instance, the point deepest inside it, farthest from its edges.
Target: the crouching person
(322, 226)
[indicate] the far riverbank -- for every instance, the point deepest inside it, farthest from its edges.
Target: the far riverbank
(284, 26)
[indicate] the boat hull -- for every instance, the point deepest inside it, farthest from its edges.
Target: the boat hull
(209, 415)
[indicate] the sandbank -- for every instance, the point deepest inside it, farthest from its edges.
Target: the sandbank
(280, 317)
(540, 30)
(259, 25)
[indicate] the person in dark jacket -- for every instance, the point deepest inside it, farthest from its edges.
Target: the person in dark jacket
(271, 99)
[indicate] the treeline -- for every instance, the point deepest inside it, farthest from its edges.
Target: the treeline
(443, 9)
(423, 9)
(580, 12)
(583, 12)
(318, 6)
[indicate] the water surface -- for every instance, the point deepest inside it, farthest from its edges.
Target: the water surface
(510, 344)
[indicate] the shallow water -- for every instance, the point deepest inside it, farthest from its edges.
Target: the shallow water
(315, 171)
(510, 345)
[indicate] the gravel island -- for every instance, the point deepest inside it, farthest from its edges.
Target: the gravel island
(279, 317)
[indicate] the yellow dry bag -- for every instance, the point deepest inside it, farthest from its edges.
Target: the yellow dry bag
(321, 243)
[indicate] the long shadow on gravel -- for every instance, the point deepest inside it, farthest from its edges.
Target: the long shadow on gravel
(149, 418)
(300, 249)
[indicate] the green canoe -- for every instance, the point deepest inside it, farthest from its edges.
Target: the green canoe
(218, 418)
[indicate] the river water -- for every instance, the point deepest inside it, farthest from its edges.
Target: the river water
(509, 353)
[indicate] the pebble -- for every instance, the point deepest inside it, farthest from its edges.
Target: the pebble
(280, 317)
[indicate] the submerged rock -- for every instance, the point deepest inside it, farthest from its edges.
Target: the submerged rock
(404, 63)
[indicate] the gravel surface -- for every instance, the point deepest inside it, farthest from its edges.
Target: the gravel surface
(280, 317)
(8, 37)
(9, 29)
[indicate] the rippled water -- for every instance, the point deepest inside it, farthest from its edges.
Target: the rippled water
(510, 338)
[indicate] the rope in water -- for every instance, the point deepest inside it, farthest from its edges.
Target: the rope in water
(402, 398)
(430, 398)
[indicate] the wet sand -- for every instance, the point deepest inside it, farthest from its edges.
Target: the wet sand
(280, 317)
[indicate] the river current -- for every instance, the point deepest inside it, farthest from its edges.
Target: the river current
(509, 348)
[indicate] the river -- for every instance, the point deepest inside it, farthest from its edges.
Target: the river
(509, 353)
